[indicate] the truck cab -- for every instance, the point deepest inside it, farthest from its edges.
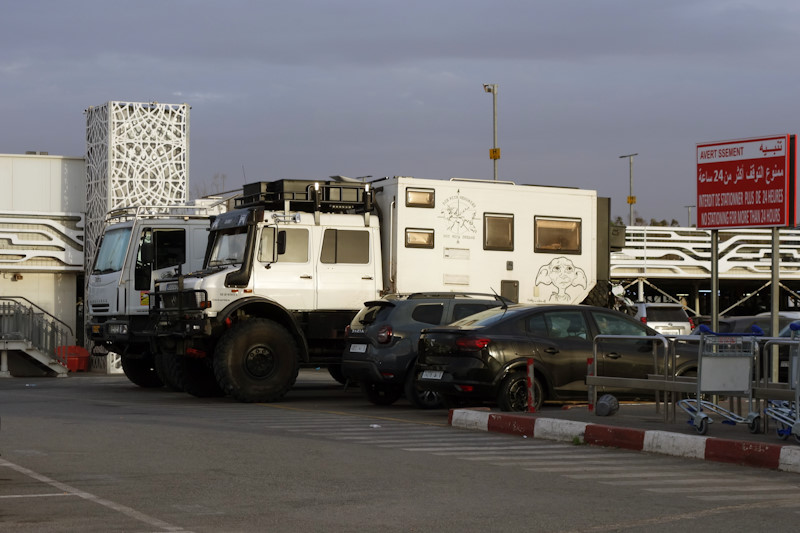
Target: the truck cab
(138, 247)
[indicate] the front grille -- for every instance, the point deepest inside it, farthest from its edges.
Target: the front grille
(99, 308)
(179, 300)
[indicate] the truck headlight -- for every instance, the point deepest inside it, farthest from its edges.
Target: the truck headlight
(118, 329)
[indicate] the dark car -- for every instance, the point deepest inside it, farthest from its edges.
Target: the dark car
(484, 357)
(382, 340)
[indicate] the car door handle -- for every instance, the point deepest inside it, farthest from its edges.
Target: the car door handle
(366, 277)
(551, 350)
(305, 276)
(613, 355)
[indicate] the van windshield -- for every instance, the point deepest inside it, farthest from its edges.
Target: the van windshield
(111, 255)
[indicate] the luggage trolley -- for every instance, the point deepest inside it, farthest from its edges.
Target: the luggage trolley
(785, 413)
(725, 365)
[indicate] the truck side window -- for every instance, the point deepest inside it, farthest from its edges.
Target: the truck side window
(170, 248)
(498, 232)
(557, 235)
(296, 246)
(345, 246)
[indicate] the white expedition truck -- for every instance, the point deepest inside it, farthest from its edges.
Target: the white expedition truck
(287, 269)
(138, 246)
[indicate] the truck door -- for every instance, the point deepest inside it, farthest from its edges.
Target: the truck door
(346, 276)
(285, 273)
(159, 253)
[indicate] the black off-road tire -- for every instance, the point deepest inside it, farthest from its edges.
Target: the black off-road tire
(381, 394)
(256, 361)
(142, 371)
(163, 373)
(599, 296)
(198, 377)
(336, 373)
(514, 393)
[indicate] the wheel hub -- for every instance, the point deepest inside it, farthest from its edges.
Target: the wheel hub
(259, 362)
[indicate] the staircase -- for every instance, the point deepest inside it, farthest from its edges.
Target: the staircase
(32, 341)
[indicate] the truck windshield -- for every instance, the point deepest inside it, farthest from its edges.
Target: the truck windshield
(228, 247)
(111, 254)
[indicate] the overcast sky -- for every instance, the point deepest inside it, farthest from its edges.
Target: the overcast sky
(306, 89)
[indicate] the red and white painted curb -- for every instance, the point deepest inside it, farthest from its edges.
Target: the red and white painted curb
(775, 456)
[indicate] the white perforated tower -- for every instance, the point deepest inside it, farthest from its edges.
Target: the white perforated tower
(136, 154)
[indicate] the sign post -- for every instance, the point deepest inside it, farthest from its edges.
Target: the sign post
(747, 183)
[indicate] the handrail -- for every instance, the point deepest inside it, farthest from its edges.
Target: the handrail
(40, 309)
(42, 331)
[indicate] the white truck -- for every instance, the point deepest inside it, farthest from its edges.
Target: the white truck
(287, 269)
(140, 245)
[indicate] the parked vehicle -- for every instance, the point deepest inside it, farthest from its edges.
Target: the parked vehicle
(483, 358)
(666, 318)
(744, 324)
(140, 245)
(288, 269)
(382, 340)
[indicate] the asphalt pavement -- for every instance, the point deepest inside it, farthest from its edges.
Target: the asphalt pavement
(648, 427)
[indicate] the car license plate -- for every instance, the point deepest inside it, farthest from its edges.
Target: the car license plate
(358, 348)
(432, 374)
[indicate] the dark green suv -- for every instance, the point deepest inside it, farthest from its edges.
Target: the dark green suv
(382, 339)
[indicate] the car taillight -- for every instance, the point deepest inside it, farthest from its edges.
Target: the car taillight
(384, 334)
(347, 330)
(472, 343)
(691, 323)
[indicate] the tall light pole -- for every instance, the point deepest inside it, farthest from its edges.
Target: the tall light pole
(494, 153)
(631, 197)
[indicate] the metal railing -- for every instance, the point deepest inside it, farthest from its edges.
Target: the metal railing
(35, 326)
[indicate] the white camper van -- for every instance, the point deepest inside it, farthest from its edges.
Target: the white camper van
(287, 270)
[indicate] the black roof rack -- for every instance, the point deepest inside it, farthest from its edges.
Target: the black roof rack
(307, 196)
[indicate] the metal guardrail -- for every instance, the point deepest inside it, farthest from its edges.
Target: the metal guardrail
(664, 381)
(667, 382)
(29, 324)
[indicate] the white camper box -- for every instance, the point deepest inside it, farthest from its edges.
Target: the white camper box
(528, 243)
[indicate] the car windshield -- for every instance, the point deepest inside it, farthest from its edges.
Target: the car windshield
(111, 254)
(228, 247)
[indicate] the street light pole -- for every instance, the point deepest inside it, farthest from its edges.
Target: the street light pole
(631, 197)
(494, 153)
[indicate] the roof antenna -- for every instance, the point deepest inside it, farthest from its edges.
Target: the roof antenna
(244, 175)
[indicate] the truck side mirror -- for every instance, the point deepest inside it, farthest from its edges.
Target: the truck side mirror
(146, 251)
(142, 276)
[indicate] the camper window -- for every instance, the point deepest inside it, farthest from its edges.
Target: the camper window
(419, 238)
(557, 235)
(420, 197)
(498, 232)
